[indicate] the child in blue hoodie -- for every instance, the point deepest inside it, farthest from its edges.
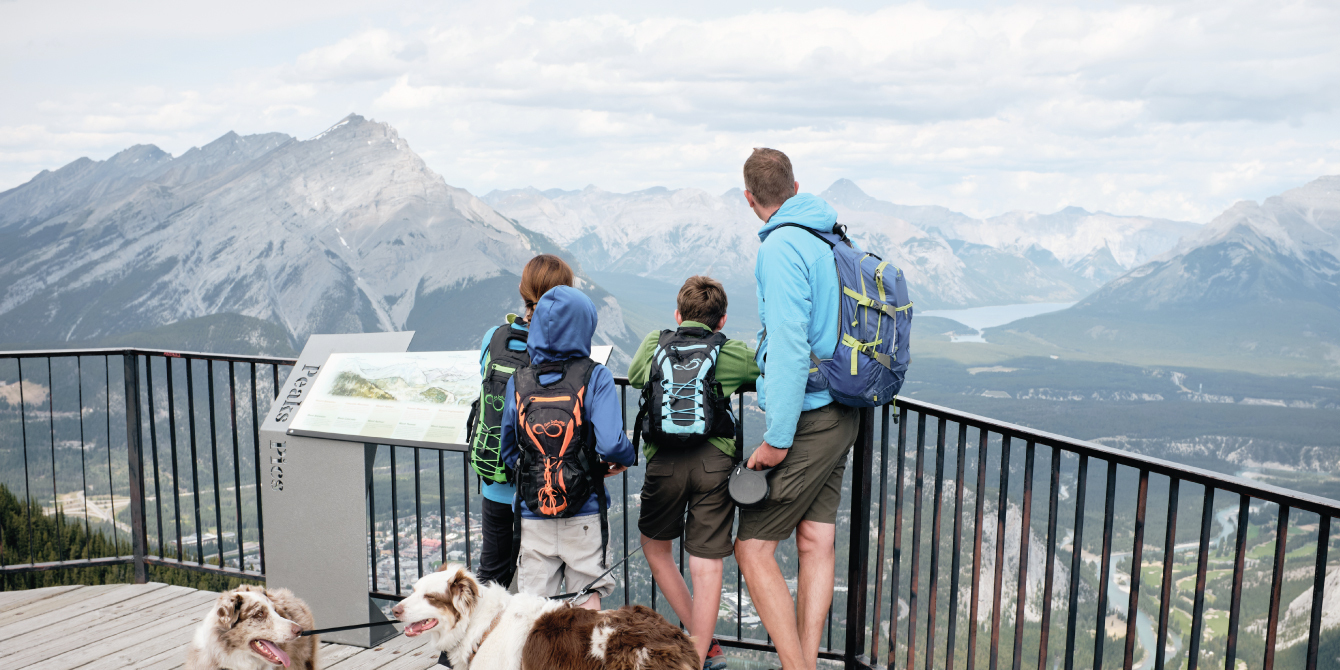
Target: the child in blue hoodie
(556, 541)
(502, 351)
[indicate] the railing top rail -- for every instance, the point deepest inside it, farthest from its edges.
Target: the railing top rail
(117, 351)
(1254, 489)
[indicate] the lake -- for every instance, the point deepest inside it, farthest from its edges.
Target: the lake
(996, 315)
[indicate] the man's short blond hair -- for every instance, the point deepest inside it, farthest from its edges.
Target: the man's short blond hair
(769, 177)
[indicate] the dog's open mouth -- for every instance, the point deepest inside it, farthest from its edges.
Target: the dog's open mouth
(419, 627)
(270, 652)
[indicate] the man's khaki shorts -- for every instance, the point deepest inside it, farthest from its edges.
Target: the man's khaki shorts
(555, 549)
(807, 485)
(690, 478)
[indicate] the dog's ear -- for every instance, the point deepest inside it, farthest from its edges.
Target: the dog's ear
(463, 591)
(229, 610)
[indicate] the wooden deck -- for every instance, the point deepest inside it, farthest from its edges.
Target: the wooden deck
(142, 626)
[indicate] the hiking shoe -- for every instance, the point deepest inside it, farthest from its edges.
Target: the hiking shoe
(716, 659)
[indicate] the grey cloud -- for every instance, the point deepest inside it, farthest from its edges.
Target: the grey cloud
(1168, 109)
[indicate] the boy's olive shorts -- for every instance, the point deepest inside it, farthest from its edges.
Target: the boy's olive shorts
(678, 478)
(807, 485)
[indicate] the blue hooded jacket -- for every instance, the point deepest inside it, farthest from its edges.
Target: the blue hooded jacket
(798, 305)
(561, 329)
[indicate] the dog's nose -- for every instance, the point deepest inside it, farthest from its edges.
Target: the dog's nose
(398, 610)
(296, 628)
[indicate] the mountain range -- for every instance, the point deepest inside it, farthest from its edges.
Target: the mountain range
(1258, 288)
(254, 243)
(951, 260)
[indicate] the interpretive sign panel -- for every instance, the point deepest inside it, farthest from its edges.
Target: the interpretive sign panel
(417, 399)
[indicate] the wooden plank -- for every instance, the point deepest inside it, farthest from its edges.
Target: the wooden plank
(89, 600)
(165, 660)
(53, 602)
(332, 653)
(93, 628)
(380, 656)
(41, 643)
(425, 656)
(11, 599)
(109, 625)
(170, 634)
(152, 632)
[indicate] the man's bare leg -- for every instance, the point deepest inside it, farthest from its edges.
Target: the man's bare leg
(592, 603)
(767, 588)
(814, 584)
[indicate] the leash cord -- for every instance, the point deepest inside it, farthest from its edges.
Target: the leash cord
(587, 589)
(318, 631)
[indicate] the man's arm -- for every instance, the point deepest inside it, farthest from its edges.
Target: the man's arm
(640, 369)
(607, 419)
(785, 287)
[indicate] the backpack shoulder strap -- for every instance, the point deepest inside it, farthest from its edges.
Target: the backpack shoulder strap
(717, 339)
(498, 349)
(506, 332)
(815, 233)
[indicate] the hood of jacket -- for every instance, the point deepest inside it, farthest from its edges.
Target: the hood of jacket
(562, 326)
(804, 209)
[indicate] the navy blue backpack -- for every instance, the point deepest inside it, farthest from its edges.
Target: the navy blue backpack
(874, 327)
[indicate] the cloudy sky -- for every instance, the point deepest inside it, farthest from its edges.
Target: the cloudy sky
(1173, 109)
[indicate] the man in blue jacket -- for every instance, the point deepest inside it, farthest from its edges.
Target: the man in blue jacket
(808, 435)
(551, 549)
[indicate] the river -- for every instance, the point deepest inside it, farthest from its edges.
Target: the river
(1144, 624)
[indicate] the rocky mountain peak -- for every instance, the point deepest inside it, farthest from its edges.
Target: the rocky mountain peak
(845, 192)
(346, 232)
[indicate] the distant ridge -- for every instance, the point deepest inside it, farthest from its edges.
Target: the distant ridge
(258, 236)
(666, 235)
(1258, 289)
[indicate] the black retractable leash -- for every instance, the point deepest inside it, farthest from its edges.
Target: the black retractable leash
(587, 589)
(322, 631)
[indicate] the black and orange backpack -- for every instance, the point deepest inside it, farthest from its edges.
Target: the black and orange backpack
(559, 468)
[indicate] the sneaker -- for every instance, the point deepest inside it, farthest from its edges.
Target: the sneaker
(716, 659)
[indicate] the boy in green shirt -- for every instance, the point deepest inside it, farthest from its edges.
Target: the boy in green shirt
(680, 477)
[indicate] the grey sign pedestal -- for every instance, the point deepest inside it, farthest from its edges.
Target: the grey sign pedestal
(315, 502)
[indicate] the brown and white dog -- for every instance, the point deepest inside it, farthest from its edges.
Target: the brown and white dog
(253, 628)
(484, 626)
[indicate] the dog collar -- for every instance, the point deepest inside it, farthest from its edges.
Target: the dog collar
(443, 659)
(485, 636)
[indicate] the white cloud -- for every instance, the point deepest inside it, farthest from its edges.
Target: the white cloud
(1166, 109)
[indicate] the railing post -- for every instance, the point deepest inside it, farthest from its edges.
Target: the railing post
(138, 539)
(859, 557)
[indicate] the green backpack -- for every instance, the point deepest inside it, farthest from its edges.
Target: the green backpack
(485, 436)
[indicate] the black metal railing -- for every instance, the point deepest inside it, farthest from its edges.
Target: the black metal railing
(178, 495)
(943, 562)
